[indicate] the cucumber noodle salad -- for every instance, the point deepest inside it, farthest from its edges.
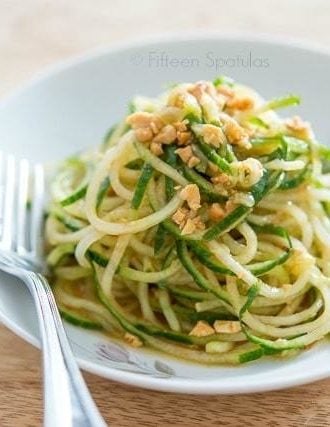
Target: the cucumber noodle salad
(200, 227)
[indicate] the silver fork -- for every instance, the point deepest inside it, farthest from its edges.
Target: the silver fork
(67, 401)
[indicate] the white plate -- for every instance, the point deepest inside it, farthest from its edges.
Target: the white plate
(72, 107)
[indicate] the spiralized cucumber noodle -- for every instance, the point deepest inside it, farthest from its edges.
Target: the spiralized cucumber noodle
(199, 227)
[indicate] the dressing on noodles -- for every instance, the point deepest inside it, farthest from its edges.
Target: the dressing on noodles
(200, 227)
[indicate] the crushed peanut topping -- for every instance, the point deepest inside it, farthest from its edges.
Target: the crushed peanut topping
(236, 134)
(183, 135)
(240, 103)
(192, 225)
(184, 138)
(203, 88)
(227, 326)
(216, 212)
(133, 340)
(144, 134)
(142, 119)
(180, 97)
(198, 90)
(185, 153)
(180, 216)
(226, 91)
(213, 135)
(145, 125)
(189, 227)
(187, 156)
(190, 193)
(202, 329)
(222, 179)
(181, 126)
(188, 221)
(156, 148)
(299, 128)
(193, 161)
(167, 135)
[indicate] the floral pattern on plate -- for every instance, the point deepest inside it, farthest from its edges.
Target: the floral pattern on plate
(119, 357)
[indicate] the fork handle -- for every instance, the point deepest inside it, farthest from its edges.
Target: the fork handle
(67, 401)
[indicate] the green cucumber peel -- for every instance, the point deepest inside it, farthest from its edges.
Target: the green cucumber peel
(198, 277)
(170, 158)
(141, 186)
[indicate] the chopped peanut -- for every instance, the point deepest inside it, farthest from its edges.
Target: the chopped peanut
(222, 179)
(193, 161)
(142, 119)
(187, 156)
(167, 135)
(236, 134)
(180, 97)
(226, 91)
(189, 227)
(201, 88)
(213, 135)
(156, 148)
(148, 126)
(197, 91)
(180, 216)
(145, 125)
(199, 223)
(177, 100)
(216, 212)
(227, 326)
(202, 329)
(240, 103)
(143, 134)
(185, 153)
(188, 221)
(193, 224)
(133, 340)
(191, 194)
(181, 126)
(299, 128)
(154, 128)
(184, 138)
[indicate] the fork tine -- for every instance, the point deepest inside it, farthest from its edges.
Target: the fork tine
(22, 199)
(38, 188)
(8, 232)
